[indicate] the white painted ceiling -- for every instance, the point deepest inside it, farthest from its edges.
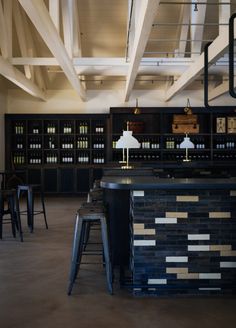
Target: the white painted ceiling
(113, 44)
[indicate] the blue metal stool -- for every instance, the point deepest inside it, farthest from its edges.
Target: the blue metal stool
(13, 209)
(31, 212)
(84, 215)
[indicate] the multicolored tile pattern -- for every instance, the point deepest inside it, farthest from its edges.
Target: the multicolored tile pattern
(184, 242)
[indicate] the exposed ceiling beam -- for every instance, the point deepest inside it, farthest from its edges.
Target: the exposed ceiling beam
(147, 13)
(224, 15)
(67, 18)
(219, 90)
(21, 35)
(118, 66)
(197, 27)
(54, 11)
(184, 30)
(3, 34)
(216, 50)
(39, 15)
(7, 8)
(38, 74)
(14, 75)
(76, 46)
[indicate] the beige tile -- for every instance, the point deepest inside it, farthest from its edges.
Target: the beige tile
(187, 198)
(188, 276)
(178, 215)
(137, 226)
(176, 270)
(228, 253)
(219, 215)
(144, 231)
(220, 247)
(232, 192)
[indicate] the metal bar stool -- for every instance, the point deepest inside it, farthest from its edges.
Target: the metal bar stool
(30, 189)
(13, 209)
(89, 214)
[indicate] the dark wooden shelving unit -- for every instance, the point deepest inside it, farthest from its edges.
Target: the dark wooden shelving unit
(66, 152)
(157, 129)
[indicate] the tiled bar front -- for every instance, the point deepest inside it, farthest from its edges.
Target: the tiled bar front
(183, 241)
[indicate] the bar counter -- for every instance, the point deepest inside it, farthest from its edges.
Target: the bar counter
(178, 236)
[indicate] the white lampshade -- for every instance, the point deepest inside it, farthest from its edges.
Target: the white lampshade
(186, 143)
(127, 141)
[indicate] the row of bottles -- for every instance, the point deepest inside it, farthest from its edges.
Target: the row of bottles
(19, 128)
(19, 158)
(67, 158)
(98, 143)
(35, 158)
(175, 142)
(82, 143)
(144, 157)
(35, 143)
(181, 156)
(99, 128)
(35, 130)
(83, 157)
(67, 128)
(83, 128)
(225, 143)
(64, 128)
(51, 158)
(224, 156)
(171, 143)
(67, 144)
(51, 128)
(51, 143)
(148, 143)
(19, 144)
(99, 158)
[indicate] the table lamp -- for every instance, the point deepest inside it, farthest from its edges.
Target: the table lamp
(187, 144)
(127, 141)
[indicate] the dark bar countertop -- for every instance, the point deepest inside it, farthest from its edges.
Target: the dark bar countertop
(152, 182)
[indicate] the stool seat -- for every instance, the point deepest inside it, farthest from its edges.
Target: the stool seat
(84, 215)
(11, 197)
(91, 213)
(95, 195)
(31, 212)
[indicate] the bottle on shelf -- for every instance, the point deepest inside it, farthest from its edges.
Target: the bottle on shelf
(67, 158)
(99, 128)
(19, 144)
(154, 143)
(19, 128)
(51, 158)
(19, 158)
(83, 127)
(98, 143)
(35, 158)
(98, 158)
(51, 128)
(67, 128)
(35, 129)
(170, 143)
(83, 157)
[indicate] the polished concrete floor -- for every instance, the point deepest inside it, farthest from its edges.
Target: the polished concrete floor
(34, 276)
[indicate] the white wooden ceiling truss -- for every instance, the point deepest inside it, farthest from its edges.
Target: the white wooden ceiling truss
(126, 40)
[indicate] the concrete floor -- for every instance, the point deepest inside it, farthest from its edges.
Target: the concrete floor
(34, 277)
